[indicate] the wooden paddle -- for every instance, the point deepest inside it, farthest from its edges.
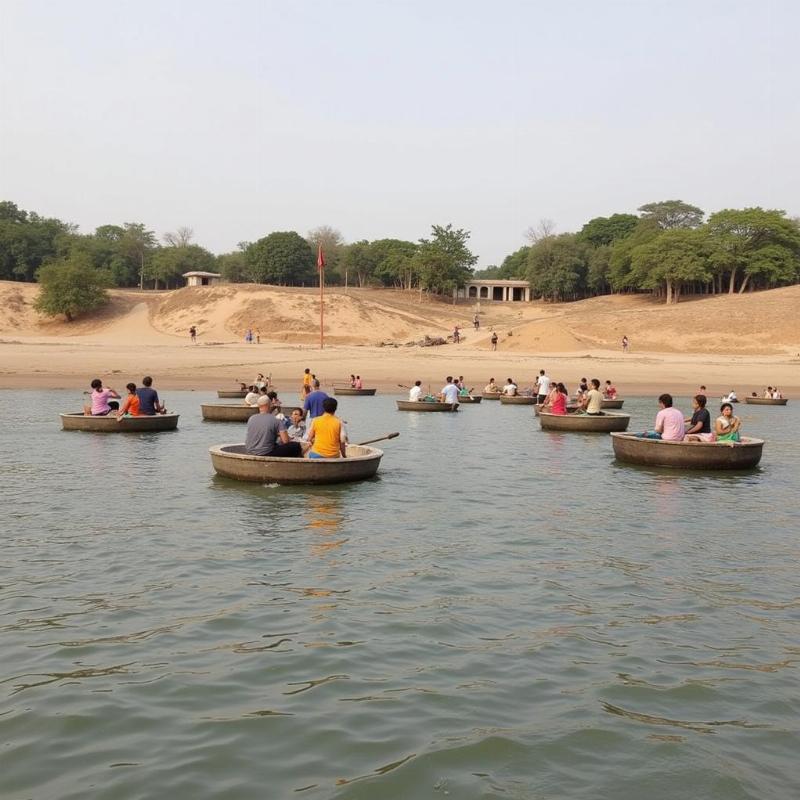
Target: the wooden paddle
(401, 385)
(380, 438)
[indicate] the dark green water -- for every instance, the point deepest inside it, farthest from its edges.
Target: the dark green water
(503, 613)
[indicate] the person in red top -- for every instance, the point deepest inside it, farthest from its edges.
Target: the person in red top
(559, 401)
(610, 392)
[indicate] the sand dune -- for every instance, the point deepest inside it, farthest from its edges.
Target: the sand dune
(740, 340)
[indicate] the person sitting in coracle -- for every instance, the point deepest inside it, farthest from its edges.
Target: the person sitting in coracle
(415, 392)
(558, 404)
(326, 434)
(491, 387)
(149, 403)
(130, 405)
(592, 402)
(583, 387)
(726, 425)
(251, 398)
(669, 422)
(510, 388)
(359, 384)
(610, 392)
(266, 436)
(102, 400)
(699, 429)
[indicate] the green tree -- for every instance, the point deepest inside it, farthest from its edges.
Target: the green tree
(754, 244)
(669, 214)
(168, 264)
(671, 260)
(619, 274)
(557, 267)
(444, 261)
(515, 265)
(394, 262)
(71, 287)
(133, 251)
(283, 258)
(358, 261)
(233, 266)
(607, 230)
(28, 240)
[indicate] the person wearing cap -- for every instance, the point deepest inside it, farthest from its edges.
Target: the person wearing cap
(266, 435)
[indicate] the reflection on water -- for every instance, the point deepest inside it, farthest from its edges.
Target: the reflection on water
(503, 613)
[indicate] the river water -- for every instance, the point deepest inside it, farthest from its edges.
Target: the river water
(502, 613)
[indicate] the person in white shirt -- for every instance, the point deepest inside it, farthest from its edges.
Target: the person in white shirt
(510, 388)
(415, 393)
(542, 387)
(251, 398)
(449, 393)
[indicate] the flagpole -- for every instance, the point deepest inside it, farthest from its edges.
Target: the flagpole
(322, 309)
(321, 270)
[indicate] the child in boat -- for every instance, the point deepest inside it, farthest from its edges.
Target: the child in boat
(610, 392)
(131, 404)
(726, 425)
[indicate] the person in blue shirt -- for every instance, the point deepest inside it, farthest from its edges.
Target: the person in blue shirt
(149, 404)
(312, 406)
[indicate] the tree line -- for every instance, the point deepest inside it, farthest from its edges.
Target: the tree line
(669, 249)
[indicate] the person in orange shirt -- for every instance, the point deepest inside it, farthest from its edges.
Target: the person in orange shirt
(306, 386)
(131, 404)
(326, 433)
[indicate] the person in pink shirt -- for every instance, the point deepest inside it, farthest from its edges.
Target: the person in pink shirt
(359, 384)
(100, 405)
(670, 425)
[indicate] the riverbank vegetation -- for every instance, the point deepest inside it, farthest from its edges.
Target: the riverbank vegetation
(670, 249)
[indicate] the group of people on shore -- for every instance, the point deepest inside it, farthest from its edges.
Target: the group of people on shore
(139, 401)
(672, 426)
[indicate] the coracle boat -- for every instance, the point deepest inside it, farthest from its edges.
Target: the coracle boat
(231, 461)
(78, 421)
(492, 395)
(223, 394)
(518, 400)
(617, 403)
(467, 399)
(425, 405)
(349, 390)
(227, 412)
(766, 401)
(687, 455)
(584, 423)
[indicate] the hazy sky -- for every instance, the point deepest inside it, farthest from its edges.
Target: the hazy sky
(380, 118)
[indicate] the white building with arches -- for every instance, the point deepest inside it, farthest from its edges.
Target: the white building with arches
(499, 291)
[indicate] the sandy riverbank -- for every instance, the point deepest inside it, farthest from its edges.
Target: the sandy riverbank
(737, 342)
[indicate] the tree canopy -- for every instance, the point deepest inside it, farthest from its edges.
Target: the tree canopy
(71, 287)
(284, 258)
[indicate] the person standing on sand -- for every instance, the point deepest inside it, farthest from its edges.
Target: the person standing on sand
(476, 323)
(456, 335)
(193, 334)
(624, 344)
(494, 340)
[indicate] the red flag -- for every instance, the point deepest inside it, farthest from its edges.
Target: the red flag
(320, 259)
